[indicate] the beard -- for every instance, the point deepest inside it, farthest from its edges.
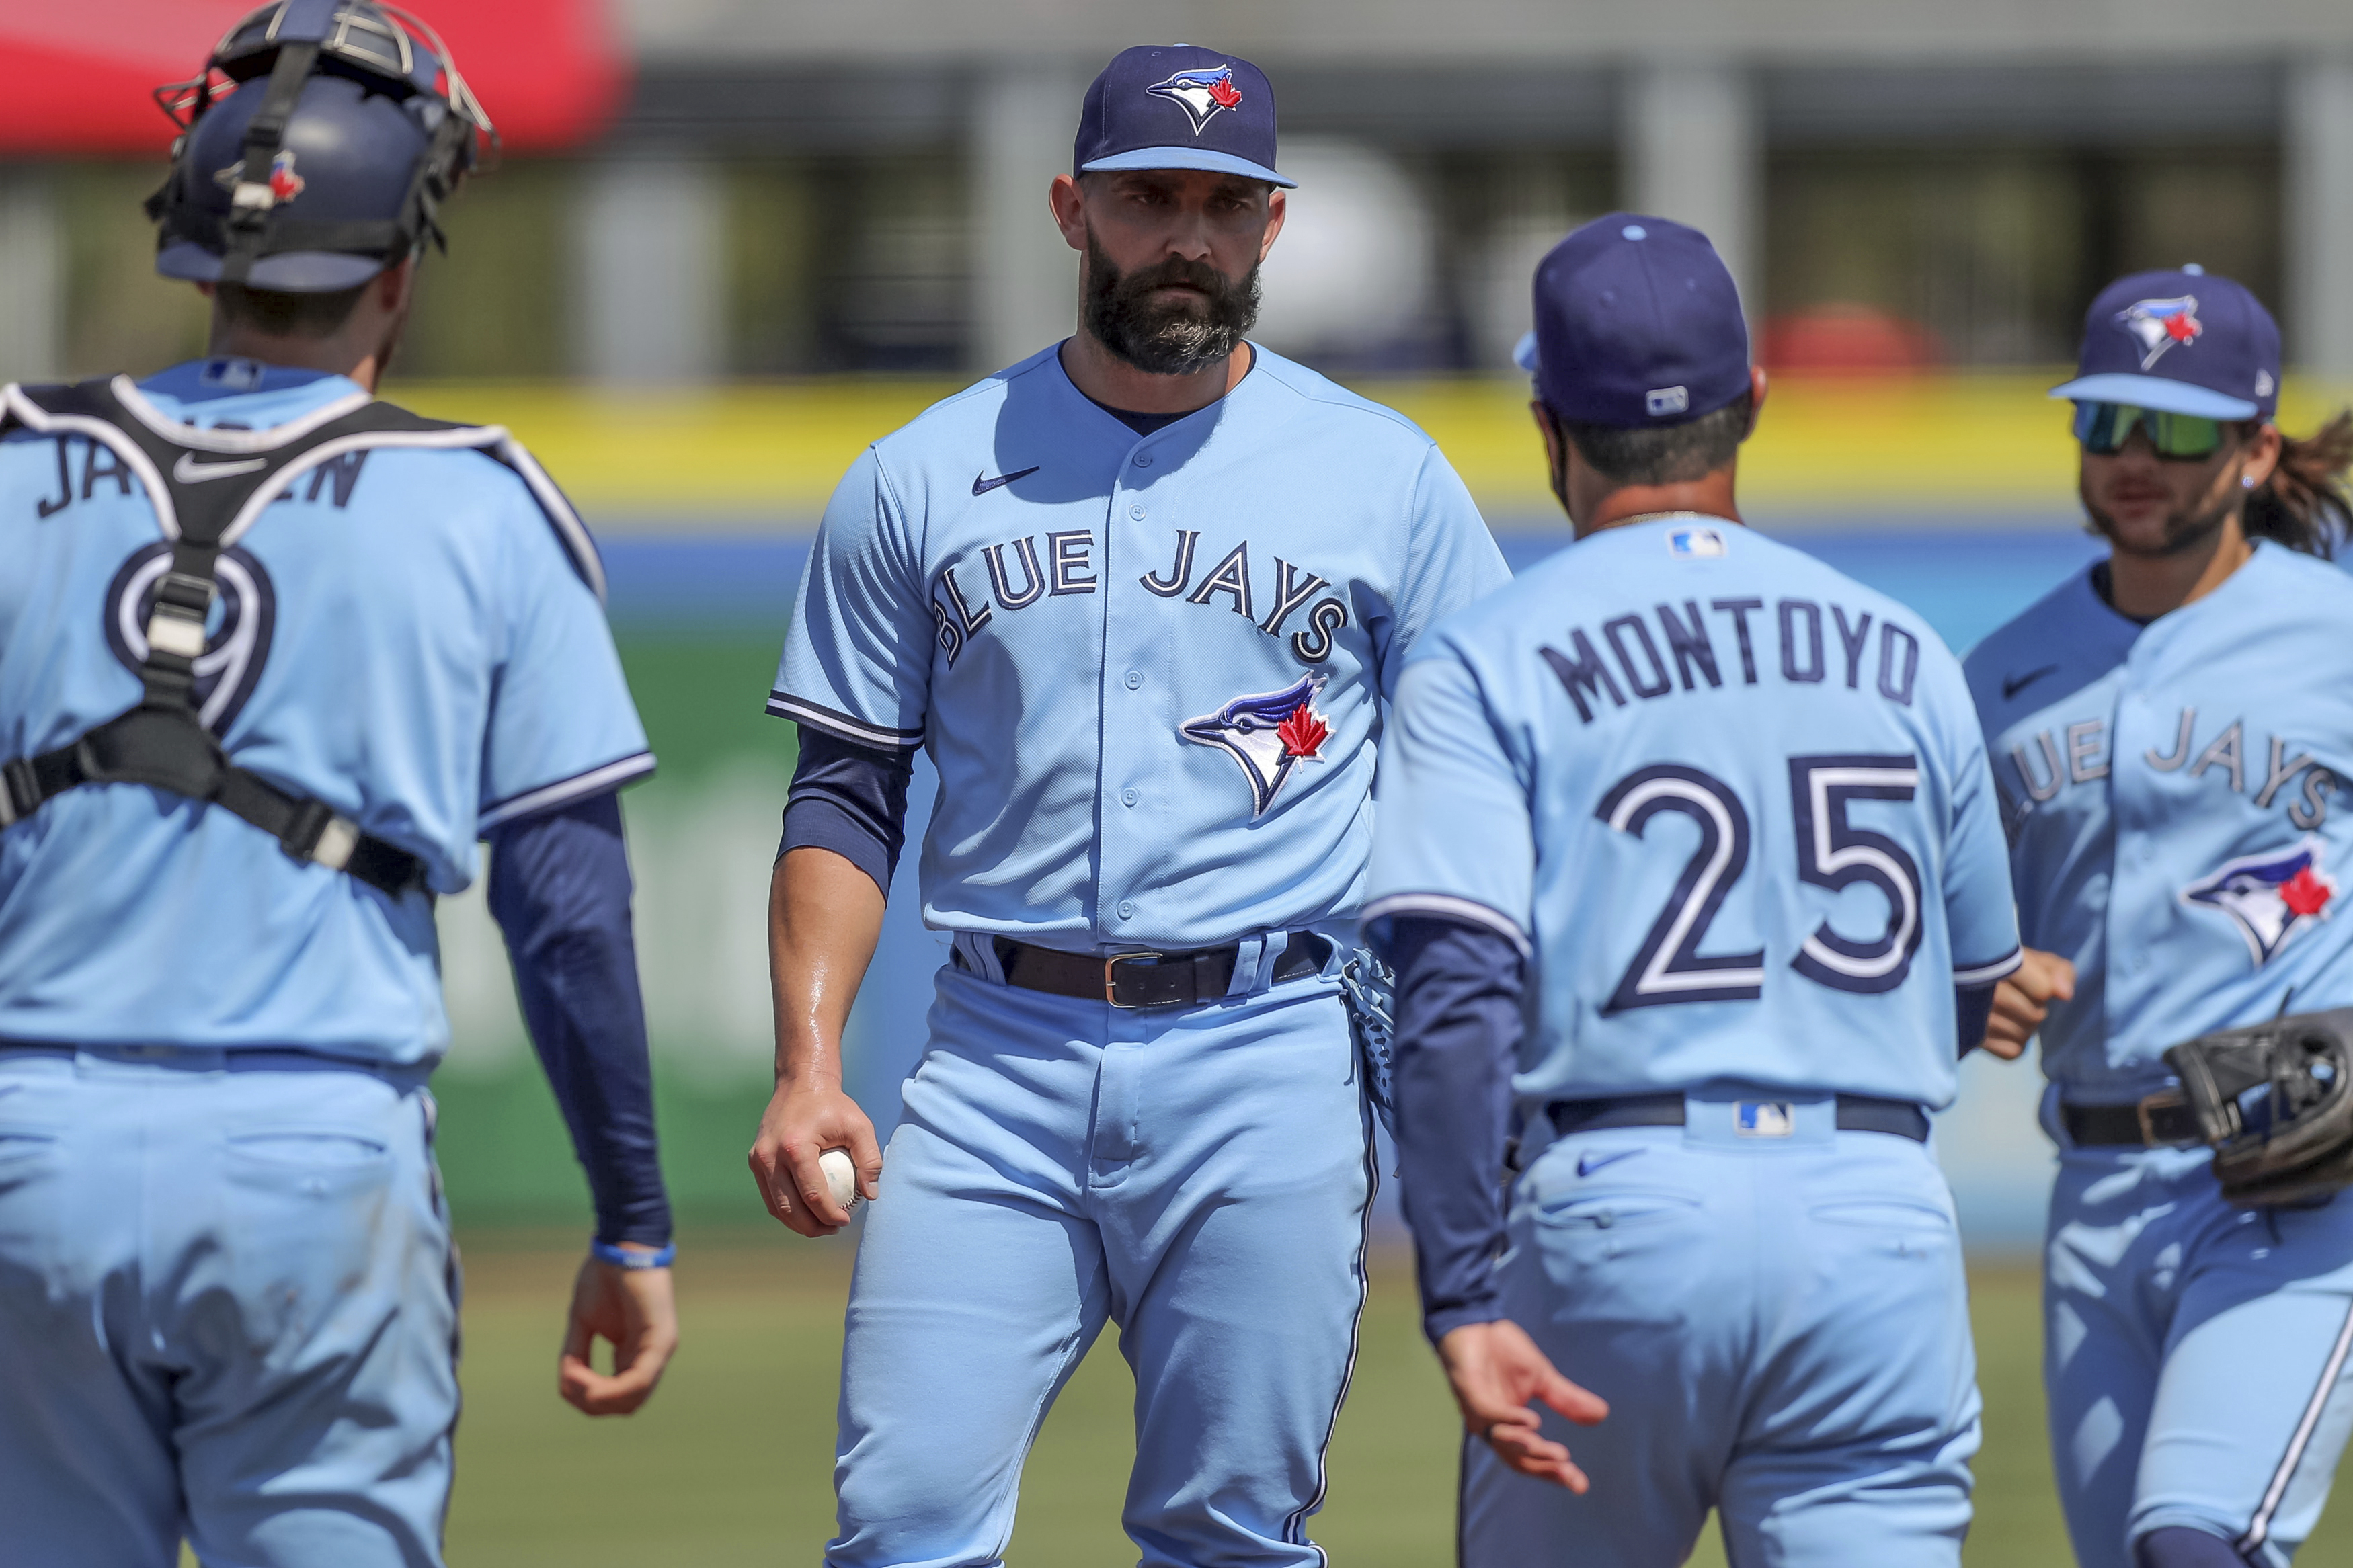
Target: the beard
(1175, 339)
(2184, 530)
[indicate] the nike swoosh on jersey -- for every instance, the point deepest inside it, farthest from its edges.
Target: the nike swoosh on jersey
(1588, 1163)
(188, 471)
(981, 486)
(2011, 685)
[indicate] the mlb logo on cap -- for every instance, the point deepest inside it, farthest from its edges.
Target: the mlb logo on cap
(1178, 106)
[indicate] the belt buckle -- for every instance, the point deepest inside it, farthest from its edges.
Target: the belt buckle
(1110, 976)
(2163, 1099)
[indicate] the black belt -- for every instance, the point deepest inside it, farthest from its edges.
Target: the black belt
(1146, 979)
(2160, 1120)
(1856, 1113)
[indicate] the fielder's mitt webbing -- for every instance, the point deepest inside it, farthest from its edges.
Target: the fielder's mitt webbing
(161, 742)
(2276, 1101)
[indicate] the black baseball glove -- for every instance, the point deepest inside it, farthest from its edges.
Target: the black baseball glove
(2276, 1102)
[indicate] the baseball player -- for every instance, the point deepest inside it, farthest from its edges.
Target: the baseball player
(273, 656)
(1142, 597)
(2170, 730)
(1688, 858)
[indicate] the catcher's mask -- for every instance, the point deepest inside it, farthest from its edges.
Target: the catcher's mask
(2275, 1101)
(315, 149)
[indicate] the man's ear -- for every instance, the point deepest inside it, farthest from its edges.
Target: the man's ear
(1758, 386)
(1556, 443)
(1278, 207)
(1069, 203)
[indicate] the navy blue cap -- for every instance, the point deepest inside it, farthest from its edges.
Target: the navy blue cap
(1177, 106)
(1638, 326)
(2179, 342)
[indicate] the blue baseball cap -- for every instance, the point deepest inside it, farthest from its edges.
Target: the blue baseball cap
(1638, 326)
(2179, 342)
(1177, 106)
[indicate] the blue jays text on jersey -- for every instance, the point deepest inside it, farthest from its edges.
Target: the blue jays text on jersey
(1150, 670)
(1732, 802)
(412, 635)
(2171, 794)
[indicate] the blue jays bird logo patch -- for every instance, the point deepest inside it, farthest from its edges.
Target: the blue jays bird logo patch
(2158, 324)
(1268, 733)
(2269, 896)
(1202, 94)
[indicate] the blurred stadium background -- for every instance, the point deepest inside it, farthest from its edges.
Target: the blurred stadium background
(735, 239)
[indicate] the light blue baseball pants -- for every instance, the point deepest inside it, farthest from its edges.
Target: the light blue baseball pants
(2196, 1355)
(1198, 1177)
(227, 1307)
(1780, 1325)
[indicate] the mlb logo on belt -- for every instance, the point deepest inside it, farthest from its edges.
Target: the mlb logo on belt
(2269, 898)
(1764, 1118)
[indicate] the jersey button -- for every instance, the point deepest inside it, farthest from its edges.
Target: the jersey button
(1127, 797)
(1136, 512)
(1134, 679)
(1144, 460)
(1126, 910)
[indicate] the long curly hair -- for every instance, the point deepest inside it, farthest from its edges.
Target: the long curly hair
(2305, 504)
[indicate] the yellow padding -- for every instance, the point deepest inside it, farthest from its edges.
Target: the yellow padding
(1938, 443)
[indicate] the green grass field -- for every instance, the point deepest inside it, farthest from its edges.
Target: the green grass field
(733, 1457)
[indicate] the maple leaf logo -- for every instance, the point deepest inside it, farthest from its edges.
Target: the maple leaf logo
(2306, 894)
(1224, 94)
(1304, 735)
(2183, 327)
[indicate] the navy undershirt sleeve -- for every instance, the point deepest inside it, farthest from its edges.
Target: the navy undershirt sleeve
(851, 800)
(1972, 1011)
(1460, 1015)
(560, 890)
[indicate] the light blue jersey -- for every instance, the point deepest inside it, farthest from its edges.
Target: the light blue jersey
(2170, 790)
(1733, 803)
(1150, 668)
(412, 636)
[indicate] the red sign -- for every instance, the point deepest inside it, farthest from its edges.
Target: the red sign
(550, 73)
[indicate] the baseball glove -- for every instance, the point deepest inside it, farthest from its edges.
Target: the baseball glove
(1370, 987)
(2275, 1101)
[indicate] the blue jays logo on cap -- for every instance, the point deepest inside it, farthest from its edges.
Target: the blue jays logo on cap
(1129, 121)
(1268, 733)
(2133, 329)
(1203, 94)
(2160, 324)
(2269, 896)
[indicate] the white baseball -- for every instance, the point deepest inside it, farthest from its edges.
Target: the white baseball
(840, 1177)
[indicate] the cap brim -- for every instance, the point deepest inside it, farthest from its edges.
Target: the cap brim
(1186, 158)
(289, 272)
(2159, 392)
(1524, 353)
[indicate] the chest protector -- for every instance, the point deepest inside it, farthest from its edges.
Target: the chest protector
(208, 487)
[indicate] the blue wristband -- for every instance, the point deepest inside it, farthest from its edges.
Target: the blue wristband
(622, 1257)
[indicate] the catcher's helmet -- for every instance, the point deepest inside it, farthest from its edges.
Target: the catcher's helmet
(315, 148)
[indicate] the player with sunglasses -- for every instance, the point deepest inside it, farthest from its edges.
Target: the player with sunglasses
(2171, 730)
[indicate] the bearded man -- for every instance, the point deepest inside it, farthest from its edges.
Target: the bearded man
(1145, 598)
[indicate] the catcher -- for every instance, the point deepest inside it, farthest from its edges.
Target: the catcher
(2170, 730)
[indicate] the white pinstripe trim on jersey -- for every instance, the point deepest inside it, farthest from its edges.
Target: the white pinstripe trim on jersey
(1452, 908)
(39, 419)
(135, 401)
(558, 507)
(2260, 1530)
(595, 780)
(1985, 974)
(803, 712)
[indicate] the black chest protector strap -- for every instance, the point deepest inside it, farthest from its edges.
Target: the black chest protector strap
(200, 493)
